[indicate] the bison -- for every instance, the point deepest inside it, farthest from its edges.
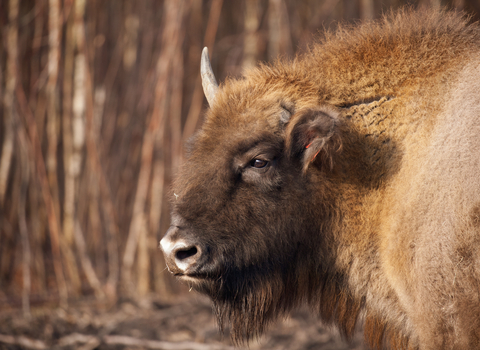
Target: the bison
(347, 180)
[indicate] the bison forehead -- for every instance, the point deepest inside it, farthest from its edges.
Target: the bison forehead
(233, 128)
(236, 120)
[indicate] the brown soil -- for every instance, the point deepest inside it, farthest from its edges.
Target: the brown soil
(152, 324)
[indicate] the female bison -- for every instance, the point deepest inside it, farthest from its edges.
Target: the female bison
(347, 179)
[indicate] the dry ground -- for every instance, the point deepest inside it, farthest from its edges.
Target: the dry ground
(151, 323)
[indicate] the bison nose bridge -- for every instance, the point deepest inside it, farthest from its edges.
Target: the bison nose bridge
(181, 254)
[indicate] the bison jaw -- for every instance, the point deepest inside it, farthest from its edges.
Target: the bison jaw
(246, 297)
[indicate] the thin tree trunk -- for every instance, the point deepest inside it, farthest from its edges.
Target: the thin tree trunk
(113, 238)
(156, 203)
(367, 10)
(10, 83)
(93, 193)
(69, 162)
(175, 107)
(22, 220)
(278, 30)
(52, 122)
(54, 39)
(250, 42)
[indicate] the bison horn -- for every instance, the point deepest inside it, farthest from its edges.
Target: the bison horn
(209, 83)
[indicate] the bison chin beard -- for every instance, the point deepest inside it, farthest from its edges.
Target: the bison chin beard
(248, 300)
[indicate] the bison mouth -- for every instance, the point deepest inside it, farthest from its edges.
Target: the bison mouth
(193, 277)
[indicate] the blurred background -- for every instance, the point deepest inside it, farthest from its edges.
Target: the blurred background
(97, 100)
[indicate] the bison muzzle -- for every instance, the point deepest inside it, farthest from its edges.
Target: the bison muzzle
(347, 180)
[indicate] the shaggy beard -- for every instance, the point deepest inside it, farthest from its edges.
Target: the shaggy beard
(249, 302)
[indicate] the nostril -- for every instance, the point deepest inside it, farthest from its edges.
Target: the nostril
(181, 254)
(185, 253)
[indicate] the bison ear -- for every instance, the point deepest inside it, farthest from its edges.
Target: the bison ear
(312, 135)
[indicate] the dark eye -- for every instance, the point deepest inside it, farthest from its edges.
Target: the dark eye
(258, 163)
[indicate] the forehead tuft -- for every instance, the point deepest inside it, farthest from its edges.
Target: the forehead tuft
(241, 108)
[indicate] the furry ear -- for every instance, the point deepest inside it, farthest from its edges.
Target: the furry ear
(312, 135)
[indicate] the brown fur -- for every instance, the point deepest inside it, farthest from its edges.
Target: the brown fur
(378, 218)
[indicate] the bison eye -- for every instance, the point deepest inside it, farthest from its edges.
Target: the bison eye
(258, 163)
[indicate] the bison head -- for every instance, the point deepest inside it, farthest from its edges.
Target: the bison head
(253, 202)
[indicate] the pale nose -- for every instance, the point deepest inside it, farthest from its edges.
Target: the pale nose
(181, 255)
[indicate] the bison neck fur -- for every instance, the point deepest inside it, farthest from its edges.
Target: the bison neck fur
(362, 203)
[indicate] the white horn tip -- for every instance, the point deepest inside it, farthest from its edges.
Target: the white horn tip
(209, 83)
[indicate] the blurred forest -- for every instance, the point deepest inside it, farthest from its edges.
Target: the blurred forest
(97, 99)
